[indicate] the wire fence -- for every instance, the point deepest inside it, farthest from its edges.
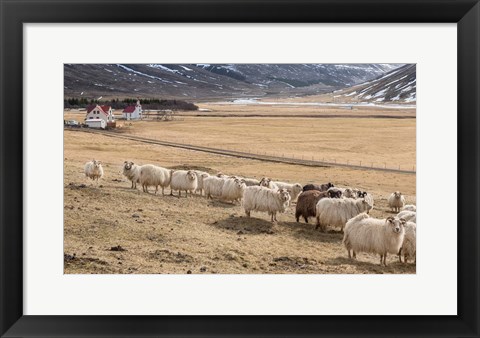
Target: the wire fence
(262, 155)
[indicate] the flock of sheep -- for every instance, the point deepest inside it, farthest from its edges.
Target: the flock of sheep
(345, 208)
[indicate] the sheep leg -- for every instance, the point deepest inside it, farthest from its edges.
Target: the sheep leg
(349, 255)
(156, 189)
(163, 191)
(381, 259)
(400, 255)
(306, 219)
(405, 258)
(318, 223)
(354, 254)
(247, 212)
(385, 259)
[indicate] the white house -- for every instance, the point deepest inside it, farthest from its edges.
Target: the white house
(96, 123)
(100, 112)
(133, 112)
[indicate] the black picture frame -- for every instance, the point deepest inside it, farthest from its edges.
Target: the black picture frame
(466, 13)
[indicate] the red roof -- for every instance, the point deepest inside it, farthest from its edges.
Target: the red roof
(104, 109)
(129, 109)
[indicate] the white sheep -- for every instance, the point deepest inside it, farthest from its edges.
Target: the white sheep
(268, 183)
(409, 207)
(378, 236)
(409, 216)
(152, 175)
(213, 186)
(349, 193)
(183, 180)
(337, 211)
(233, 189)
(132, 172)
(409, 245)
(266, 200)
(396, 201)
(294, 189)
(201, 175)
(94, 170)
(249, 182)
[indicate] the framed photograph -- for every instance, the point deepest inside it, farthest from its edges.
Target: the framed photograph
(239, 168)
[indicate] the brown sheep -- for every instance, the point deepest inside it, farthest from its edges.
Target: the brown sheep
(307, 202)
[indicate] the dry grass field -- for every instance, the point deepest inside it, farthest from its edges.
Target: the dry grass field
(110, 228)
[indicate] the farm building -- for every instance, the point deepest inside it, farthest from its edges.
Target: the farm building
(133, 112)
(100, 112)
(96, 123)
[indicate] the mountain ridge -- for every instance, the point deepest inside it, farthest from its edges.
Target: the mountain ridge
(197, 82)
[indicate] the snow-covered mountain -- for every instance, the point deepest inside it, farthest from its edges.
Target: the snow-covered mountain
(211, 81)
(397, 86)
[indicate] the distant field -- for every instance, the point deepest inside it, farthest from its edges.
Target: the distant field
(369, 141)
(171, 235)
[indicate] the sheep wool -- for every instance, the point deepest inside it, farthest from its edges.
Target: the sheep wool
(307, 202)
(396, 201)
(321, 187)
(151, 175)
(233, 189)
(379, 236)
(213, 186)
(183, 180)
(249, 182)
(409, 207)
(337, 211)
(132, 172)
(201, 175)
(260, 198)
(409, 216)
(409, 245)
(294, 189)
(268, 183)
(94, 170)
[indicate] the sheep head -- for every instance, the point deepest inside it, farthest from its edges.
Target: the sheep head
(395, 224)
(284, 195)
(367, 205)
(265, 182)
(398, 194)
(361, 194)
(191, 175)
